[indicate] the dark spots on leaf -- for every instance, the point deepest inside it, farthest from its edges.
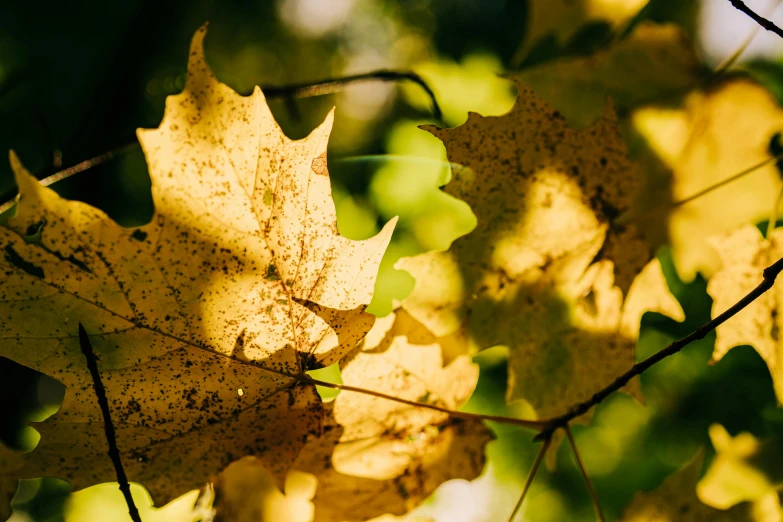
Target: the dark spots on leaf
(319, 165)
(133, 406)
(34, 231)
(139, 235)
(600, 203)
(15, 259)
(271, 273)
(310, 363)
(403, 491)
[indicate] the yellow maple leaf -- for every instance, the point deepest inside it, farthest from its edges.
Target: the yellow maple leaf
(693, 148)
(744, 470)
(201, 319)
(676, 500)
(544, 272)
(744, 254)
(654, 63)
(382, 457)
(248, 493)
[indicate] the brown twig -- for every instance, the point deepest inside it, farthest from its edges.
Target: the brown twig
(627, 217)
(452, 413)
(329, 85)
(287, 92)
(108, 425)
(76, 169)
(590, 488)
(770, 274)
(530, 476)
(763, 22)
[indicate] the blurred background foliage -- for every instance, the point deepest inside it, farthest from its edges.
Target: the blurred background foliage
(76, 80)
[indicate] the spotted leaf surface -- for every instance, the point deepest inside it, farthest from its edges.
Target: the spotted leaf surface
(198, 319)
(545, 272)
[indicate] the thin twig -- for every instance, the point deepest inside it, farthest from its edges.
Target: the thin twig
(763, 22)
(732, 59)
(629, 217)
(530, 476)
(108, 425)
(590, 488)
(288, 92)
(76, 169)
(452, 413)
(329, 85)
(770, 274)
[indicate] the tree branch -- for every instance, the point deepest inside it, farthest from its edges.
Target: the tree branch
(329, 85)
(530, 476)
(770, 274)
(590, 488)
(108, 425)
(763, 22)
(287, 92)
(452, 413)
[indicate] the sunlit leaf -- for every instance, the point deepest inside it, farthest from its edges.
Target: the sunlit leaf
(744, 470)
(199, 319)
(717, 134)
(378, 456)
(744, 254)
(675, 501)
(545, 271)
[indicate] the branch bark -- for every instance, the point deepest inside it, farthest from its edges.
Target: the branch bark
(763, 22)
(108, 425)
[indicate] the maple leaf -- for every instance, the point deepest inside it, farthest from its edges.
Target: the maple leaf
(562, 19)
(200, 319)
(378, 456)
(655, 62)
(744, 254)
(676, 499)
(545, 271)
(744, 470)
(106, 502)
(249, 493)
(690, 149)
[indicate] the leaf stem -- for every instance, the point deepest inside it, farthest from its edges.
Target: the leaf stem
(452, 413)
(763, 22)
(530, 476)
(770, 274)
(108, 425)
(599, 514)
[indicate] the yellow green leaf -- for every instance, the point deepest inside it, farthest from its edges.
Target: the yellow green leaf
(654, 63)
(676, 500)
(199, 319)
(744, 470)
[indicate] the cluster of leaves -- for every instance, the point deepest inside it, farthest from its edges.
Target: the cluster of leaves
(207, 320)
